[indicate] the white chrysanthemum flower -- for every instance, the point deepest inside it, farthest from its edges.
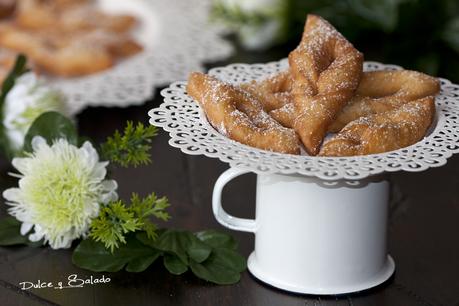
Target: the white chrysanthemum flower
(28, 99)
(258, 23)
(60, 190)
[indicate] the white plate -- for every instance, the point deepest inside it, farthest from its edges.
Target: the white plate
(189, 131)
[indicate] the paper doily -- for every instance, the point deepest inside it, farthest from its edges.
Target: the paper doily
(191, 132)
(177, 39)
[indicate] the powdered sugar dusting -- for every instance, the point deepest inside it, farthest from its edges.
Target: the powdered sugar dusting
(240, 115)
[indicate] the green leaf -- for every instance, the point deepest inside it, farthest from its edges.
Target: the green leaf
(51, 126)
(10, 234)
(230, 259)
(143, 238)
(198, 250)
(211, 255)
(223, 267)
(92, 255)
(174, 264)
(217, 239)
(132, 148)
(176, 242)
(214, 273)
(142, 263)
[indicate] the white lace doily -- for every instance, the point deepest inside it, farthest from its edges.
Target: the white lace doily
(191, 132)
(177, 39)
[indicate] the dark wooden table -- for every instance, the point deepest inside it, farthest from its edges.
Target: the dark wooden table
(423, 234)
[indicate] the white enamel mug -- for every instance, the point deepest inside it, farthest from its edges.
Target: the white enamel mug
(315, 237)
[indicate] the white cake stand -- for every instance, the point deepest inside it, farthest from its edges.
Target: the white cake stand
(321, 222)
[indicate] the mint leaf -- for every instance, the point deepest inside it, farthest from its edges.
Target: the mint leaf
(174, 264)
(51, 126)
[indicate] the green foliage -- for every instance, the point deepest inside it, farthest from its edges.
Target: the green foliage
(132, 148)
(210, 255)
(18, 69)
(234, 16)
(10, 233)
(51, 126)
(117, 219)
(133, 256)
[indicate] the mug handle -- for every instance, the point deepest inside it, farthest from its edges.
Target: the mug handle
(234, 223)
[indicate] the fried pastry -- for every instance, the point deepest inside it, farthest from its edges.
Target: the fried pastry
(239, 115)
(273, 92)
(380, 91)
(382, 132)
(326, 71)
(68, 54)
(69, 15)
(324, 90)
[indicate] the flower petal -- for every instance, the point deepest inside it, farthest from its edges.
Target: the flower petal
(25, 228)
(21, 164)
(38, 142)
(12, 194)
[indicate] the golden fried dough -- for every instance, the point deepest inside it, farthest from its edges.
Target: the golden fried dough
(382, 132)
(273, 92)
(380, 91)
(68, 54)
(239, 115)
(324, 90)
(69, 16)
(326, 71)
(68, 37)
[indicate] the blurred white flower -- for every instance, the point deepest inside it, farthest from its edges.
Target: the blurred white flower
(28, 99)
(61, 188)
(258, 23)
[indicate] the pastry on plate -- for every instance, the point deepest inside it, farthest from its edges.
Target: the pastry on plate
(326, 71)
(380, 91)
(68, 37)
(382, 132)
(323, 92)
(239, 115)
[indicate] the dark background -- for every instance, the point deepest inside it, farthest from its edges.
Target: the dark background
(417, 34)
